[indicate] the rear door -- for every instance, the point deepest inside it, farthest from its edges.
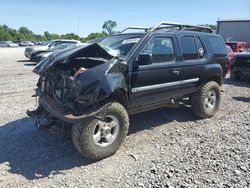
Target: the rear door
(159, 81)
(194, 57)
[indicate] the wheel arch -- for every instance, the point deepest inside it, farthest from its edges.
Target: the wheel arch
(215, 78)
(120, 95)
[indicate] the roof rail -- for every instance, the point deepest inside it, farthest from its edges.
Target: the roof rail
(171, 25)
(135, 28)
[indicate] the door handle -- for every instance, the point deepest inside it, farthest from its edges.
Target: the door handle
(176, 72)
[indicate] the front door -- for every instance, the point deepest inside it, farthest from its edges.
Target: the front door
(161, 79)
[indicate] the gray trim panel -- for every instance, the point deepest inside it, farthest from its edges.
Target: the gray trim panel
(168, 84)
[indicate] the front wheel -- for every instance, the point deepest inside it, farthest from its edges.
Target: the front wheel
(206, 101)
(100, 139)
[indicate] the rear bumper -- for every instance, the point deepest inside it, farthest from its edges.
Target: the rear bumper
(65, 115)
(244, 71)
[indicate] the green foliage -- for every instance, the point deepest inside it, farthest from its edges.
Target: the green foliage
(92, 36)
(23, 33)
(109, 25)
(210, 25)
(71, 36)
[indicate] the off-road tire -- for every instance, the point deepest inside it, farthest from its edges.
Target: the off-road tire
(82, 135)
(198, 100)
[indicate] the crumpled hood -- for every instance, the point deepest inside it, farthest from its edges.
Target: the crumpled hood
(61, 57)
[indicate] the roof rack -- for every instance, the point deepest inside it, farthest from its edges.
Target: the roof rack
(136, 28)
(172, 25)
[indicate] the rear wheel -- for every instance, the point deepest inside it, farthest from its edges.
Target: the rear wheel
(206, 101)
(100, 139)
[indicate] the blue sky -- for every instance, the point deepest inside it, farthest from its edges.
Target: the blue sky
(60, 16)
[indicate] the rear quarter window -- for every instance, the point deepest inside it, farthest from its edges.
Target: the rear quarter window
(218, 46)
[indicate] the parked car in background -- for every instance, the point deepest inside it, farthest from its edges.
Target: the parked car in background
(25, 43)
(240, 66)
(29, 51)
(238, 46)
(96, 87)
(230, 56)
(3, 43)
(11, 44)
(40, 55)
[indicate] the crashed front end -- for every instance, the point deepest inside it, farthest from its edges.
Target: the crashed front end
(74, 85)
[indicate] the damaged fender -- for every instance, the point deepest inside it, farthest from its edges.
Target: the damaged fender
(88, 90)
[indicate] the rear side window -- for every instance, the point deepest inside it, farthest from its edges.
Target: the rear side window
(188, 47)
(218, 46)
(192, 48)
(200, 47)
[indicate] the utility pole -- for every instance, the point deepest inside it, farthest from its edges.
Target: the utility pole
(78, 25)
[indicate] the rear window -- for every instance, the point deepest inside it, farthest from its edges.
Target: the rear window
(218, 46)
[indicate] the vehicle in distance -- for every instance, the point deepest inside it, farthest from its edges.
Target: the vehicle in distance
(238, 46)
(3, 44)
(24, 43)
(11, 44)
(29, 51)
(241, 66)
(230, 56)
(8, 44)
(95, 88)
(40, 55)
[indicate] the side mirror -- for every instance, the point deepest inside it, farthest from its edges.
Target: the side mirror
(144, 59)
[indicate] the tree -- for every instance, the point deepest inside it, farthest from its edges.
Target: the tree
(213, 27)
(108, 26)
(71, 36)
(25, 31)
(92, 36)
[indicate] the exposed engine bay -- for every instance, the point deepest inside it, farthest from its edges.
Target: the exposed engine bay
(71, 89)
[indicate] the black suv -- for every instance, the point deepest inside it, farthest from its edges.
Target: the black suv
(95, 88)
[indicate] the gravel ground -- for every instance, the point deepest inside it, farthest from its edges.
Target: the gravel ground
(164, 148)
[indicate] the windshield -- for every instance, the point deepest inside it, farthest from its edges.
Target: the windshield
(120, 45)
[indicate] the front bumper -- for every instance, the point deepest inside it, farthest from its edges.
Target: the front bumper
(65, 115)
